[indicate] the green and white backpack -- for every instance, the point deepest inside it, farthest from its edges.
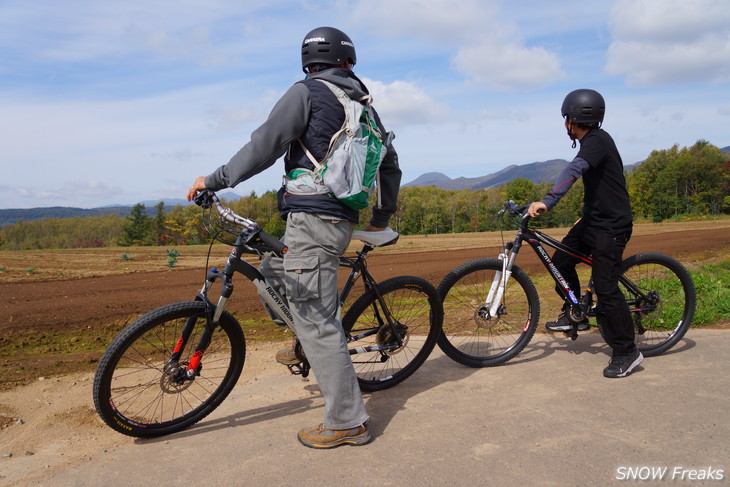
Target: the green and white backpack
(350, 168)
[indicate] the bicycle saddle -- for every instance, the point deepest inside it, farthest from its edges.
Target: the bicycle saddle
(380, 238)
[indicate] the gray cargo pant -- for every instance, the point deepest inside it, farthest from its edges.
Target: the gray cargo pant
(307, 279)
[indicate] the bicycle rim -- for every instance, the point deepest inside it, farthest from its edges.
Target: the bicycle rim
(135, 394)
(416, 311)
(471, 336)
(663, 311)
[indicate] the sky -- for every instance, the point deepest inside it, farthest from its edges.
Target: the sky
(108, 102)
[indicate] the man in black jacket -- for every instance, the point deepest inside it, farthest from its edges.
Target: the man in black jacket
(603, 230)
(318, 226)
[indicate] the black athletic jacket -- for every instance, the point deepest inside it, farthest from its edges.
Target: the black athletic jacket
(606, 201)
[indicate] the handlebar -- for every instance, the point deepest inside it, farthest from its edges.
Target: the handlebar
(520, 211)
(208, 199)
(513, 209)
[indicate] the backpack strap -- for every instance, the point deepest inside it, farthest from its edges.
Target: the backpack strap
(350, 125)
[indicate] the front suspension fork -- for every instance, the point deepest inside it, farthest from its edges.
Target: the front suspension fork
(499, 284)
(181, 372)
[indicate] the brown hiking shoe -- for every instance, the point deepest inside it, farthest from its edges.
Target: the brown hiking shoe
(287, 356)
(322, 437)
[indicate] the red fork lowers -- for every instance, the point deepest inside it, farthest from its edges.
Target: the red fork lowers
(195, 360)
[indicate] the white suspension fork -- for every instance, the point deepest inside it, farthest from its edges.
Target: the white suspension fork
(499, 283)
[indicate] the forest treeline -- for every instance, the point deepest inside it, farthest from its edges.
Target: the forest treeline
(670, 184)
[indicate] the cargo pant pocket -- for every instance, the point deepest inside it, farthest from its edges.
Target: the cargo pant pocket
(302, 277)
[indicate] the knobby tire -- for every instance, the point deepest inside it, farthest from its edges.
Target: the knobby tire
(415, 306)
(136, 397)
(658, 325)
(472, 338)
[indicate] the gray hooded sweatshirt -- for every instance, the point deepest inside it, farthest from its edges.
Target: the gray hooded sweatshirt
(313, 115)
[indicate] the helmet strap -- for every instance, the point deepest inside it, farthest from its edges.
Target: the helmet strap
(569, 129)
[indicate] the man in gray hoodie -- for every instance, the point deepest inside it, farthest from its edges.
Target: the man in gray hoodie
(318, 226)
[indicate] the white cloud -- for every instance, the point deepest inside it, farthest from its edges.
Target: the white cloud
(132, 144)
(659, 42)
(87, 31)
(447, 22)
(505, 66)
(486, 46)
(84, 194)
(403, 103)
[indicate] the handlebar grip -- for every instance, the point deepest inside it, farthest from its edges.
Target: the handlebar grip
(205, 198)
(275, 244)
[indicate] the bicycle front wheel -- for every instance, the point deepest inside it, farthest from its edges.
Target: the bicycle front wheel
(139, 392)
(471, 336)
(661, 297)
(391, 339)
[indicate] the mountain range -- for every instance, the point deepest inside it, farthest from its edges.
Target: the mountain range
(15, 215)
(536, 171)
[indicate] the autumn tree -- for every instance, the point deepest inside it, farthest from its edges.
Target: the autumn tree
(137, 229)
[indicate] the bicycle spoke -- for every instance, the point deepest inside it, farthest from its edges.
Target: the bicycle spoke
(393, 337)
(656, 288)
(472, 334)
(152, 394)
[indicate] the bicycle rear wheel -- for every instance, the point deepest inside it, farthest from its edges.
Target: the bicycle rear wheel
(138, 392)
(384, 353)
(472, 337)
(661, 296)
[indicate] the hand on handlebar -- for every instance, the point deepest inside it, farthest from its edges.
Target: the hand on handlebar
(536, 209)
(198, 185)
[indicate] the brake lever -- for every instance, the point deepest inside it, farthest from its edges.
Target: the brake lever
(204, 199)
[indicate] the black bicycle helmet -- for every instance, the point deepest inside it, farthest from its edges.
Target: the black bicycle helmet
(584, 106)
(327, 45)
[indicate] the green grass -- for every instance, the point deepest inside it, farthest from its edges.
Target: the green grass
(712, 287)
(712, 284)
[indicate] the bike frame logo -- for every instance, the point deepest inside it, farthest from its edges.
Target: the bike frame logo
(279, 303)
(558, 276)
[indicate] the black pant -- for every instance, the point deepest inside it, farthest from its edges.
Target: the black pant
(606, 247)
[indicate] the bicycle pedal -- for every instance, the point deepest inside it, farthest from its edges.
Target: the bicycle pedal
(295, 369)
(299, 369)
(573, 334)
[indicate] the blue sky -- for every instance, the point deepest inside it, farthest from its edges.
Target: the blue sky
(115, 102)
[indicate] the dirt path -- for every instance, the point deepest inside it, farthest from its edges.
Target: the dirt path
(547, 418)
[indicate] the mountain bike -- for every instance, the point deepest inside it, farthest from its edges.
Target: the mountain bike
(174, 365)
(492, 307)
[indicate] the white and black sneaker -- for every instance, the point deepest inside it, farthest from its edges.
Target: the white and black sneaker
(623, 365)
(564, 324)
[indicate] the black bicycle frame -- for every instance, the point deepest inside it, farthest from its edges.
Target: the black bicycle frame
(273, 299)
(358, 268)
(536, 239)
